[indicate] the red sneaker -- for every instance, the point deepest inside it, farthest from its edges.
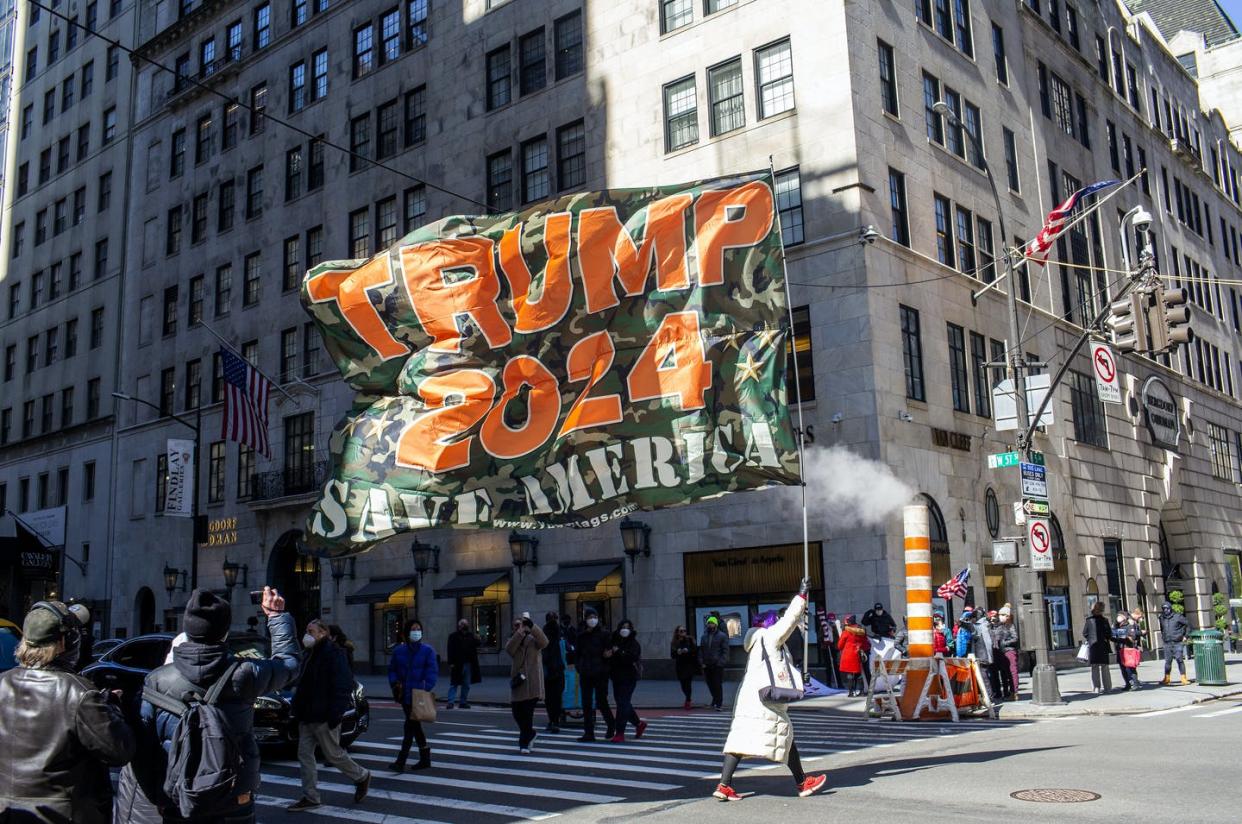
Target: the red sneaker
(811, 785)
(619, 738)
(725, 793)
(687, 706)
(642, 728)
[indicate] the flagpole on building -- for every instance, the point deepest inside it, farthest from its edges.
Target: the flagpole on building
(793, 347)
(237, 352)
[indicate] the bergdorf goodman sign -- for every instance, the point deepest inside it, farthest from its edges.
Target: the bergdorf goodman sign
(1160, 414)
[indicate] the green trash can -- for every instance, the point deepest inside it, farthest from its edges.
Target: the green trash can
(1209, 648)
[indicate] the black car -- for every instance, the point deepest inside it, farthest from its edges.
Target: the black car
(125, 667)
(102, 647)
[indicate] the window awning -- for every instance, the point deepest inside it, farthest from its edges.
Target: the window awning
(378, 590)
(577, 578)
(470, 584)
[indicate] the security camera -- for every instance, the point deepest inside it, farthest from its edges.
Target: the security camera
(837, 418)
(905, 416)
(1142, 220)
(868, 235)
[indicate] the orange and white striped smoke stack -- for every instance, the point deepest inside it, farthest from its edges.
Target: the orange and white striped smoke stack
(918, 582)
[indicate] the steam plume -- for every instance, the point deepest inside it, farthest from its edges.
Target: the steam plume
(850, 490)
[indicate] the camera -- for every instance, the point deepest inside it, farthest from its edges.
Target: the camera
(256, 597)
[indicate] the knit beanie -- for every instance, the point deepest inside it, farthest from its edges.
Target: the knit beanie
(207, 617)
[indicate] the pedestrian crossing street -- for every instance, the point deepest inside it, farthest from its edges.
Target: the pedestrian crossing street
(479, 777)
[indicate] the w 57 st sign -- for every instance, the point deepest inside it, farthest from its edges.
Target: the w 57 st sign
(564, 365)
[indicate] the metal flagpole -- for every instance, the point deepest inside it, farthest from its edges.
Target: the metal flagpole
(237, 352)
(793, 347)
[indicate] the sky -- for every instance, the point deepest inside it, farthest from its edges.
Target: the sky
(1234, 9)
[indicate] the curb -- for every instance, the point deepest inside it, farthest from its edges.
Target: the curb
(1073, 712)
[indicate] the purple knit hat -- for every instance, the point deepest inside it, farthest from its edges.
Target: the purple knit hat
(766, 619)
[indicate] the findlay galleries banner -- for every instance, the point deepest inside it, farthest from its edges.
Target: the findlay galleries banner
(559, 366)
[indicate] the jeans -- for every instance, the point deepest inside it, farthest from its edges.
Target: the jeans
(686, 686)
(595, 693)
(623, 691)
(412, 730)
(1174, 650)
(328, 740)
(467, 673)
(714, 676)
(524, 715)
(553, 696)
(1100, 677)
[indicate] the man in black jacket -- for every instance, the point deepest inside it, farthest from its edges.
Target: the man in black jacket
(60, 735)
(1173, 629)
(592, 640)
(319, 704)
(553, 672)
(878, 622)
(463, 660)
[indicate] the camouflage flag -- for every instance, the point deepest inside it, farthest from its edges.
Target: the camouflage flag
(563, 365)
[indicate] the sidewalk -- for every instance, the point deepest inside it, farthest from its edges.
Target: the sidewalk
(1075, 686)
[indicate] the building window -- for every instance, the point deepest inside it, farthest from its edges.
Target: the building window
(198, 218)
(912, 353)
(252, 279)
(498, 91)
(414, 206)
(900, 230)
(228, 130)
(245, 472)
(385, 223)
(92, 399)
(193, 383)
(293, 173)
(233, 40)
(310, 350)
(1011, 160)
(360, 233)
(681, 114)
(161, 481)
(387, 130)
(774, 72)
(571, 156)
(888, 78)
(935, 123)
(416, 116)
(88, 481)
(957, 369)
(789, 206)
(297, 86)
(724, 88)
(314, 246)
(965, 242)
(416, 22)
(500, 180)
(263, 26)
(217, 378)
(168, 391)
(215, 473)
(359, 141)
(674, 14)
(176, 160)
(954, 139)
(390, 36)
(998, 55)
(532, 63)
(535, 181)
(254, 192)
(299, 13)
(258, 105)
(170, 311)
(226, 207)
(800, 341)
(97, 321)
(979, 371)
(944, 231)
(319, 75)
(1087, 410)
(197, 290)
(300, 450)
(567, 32)
(288, 354)
(713, 6)
(292, 263)
(1220, 443)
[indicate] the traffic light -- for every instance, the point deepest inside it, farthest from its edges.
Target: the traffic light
(1129, 323)
(1175, 317)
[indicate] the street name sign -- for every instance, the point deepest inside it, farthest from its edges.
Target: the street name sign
(1001, 460)
(1039, 540)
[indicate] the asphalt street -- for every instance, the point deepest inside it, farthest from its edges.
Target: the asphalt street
(1144, 768)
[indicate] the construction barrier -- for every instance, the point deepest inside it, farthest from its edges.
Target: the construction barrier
(923, 689)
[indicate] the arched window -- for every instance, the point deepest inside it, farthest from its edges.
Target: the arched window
(1093, 593)
(1058, 540)
(935, 526)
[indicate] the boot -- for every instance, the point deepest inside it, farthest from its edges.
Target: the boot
(1165, 681)
(424, 759)
(399, 765)
(1184, 680)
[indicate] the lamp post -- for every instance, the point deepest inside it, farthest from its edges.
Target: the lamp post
(171, 577)
(338, 570)
(524, 549)
(635, 540)
(426, 558)
(231, 569)
(1044, 687)
(195, 427)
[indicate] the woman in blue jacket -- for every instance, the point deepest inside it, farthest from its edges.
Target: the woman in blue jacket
(412, 667)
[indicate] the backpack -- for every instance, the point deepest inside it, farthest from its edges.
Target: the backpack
(204, 762)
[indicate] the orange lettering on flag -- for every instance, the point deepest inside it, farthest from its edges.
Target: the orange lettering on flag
(426, 443)
(673, 364)
(557, 288)
(349, 290)
(607, 251)
(452, 277)
(543, 407)
(589, 360)
(729, 219)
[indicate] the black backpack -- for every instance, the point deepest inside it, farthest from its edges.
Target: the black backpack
(205, 763)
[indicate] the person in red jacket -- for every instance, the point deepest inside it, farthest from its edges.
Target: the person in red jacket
(940, 644)
(853, 644)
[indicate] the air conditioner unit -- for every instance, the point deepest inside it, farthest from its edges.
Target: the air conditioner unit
(1179, 147)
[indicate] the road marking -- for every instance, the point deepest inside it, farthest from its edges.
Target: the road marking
(1168, 712)
(644, 745)
(1219, 713)
(347, 814)
(541, 775)
(426, 800)
(513, 757)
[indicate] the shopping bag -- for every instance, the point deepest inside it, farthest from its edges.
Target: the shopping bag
(422, 706)
(569, 698)
(1084, 653)
(1131, 657)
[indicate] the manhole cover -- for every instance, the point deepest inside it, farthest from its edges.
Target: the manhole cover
(1055, 796)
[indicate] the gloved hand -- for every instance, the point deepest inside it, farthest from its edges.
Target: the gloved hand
(806, 586)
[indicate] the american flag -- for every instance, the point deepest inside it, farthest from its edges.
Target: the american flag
(246, 392)
(955, 587)
(1038, 248)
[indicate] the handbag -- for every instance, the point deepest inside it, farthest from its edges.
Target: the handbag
(1084, 653)
(784, 692)
(1131, 657)
(422, 706)
(517, 681)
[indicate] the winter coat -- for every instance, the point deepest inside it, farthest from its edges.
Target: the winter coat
(325, 686)
(463, 648)
(1125, 635)
(590, 647)
(963, 641)
(881, 625)
(525, 648)
(625, 663)
(852, 643)
(1174, 627)
(981, 642)
(939, 645)
(761, 729)
(553, 661)
(198, 666)
(413, 666)
(1099, 637)
(1005, 636)
(685, 655)
(714, 648)
(60, 735)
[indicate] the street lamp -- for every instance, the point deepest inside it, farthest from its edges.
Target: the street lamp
(338, 569)
(426, 558)
(171, 577)
(636, 540)
(231, 568)
(198, 530)
(524, 549)
(1044, 687)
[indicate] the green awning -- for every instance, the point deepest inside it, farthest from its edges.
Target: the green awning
(583, 578)
(378, 590)
(470, 584)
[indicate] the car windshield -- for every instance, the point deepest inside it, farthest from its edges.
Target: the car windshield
(248, 647)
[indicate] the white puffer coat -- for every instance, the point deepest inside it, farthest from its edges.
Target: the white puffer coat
(760, 729)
